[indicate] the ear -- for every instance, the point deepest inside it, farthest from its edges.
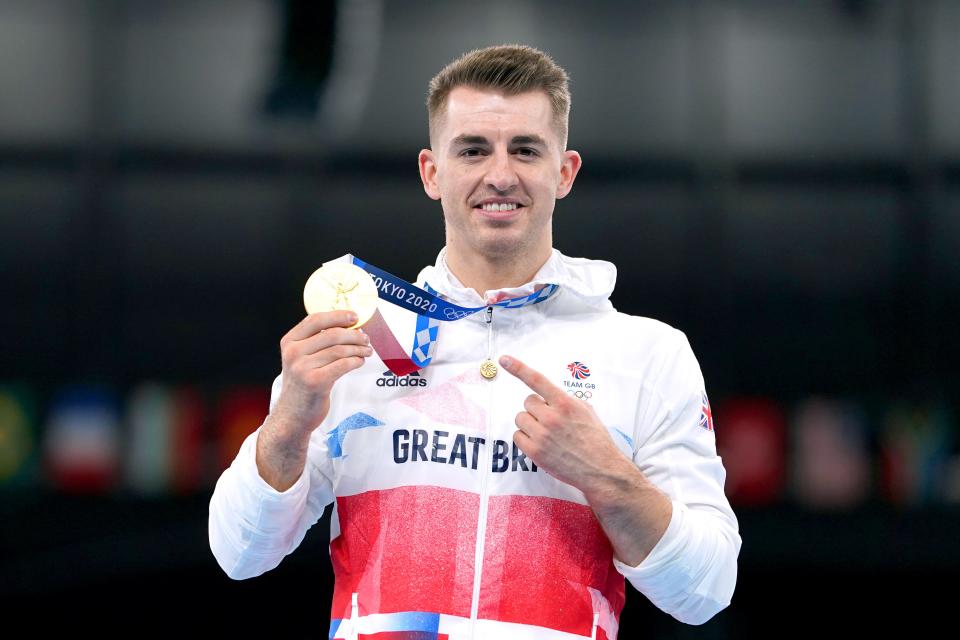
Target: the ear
(428, 173)
(568, 172)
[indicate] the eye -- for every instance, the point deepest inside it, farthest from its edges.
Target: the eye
(470, 152)
(527, 152)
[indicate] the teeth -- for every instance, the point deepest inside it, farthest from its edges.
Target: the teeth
(500, 207)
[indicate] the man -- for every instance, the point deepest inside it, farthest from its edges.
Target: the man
(511, 506)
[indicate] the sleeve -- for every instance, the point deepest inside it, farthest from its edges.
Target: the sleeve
(252, 526)
(692, 571)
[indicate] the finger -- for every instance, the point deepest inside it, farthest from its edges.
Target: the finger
(293, 350)
(528, 424)
(525, 443)
(338, 368)
(534, 405)
(329, 338)
(317, 322)
(533, 379)
(337, 352)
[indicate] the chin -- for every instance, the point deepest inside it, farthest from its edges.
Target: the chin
(502, 247)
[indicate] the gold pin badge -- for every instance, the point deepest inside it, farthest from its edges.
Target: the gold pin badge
(488, 369)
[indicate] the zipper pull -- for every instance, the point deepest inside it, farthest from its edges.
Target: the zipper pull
(488, 368)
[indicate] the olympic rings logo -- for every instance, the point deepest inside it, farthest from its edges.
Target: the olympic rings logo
(581, 395)
(455, 314)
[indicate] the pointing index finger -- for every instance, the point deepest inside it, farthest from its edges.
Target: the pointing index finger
(533, 379)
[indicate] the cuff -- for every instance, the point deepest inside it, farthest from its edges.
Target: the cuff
(275, 507)
(664, 554)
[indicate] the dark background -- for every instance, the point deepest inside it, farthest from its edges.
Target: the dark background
(780, 180)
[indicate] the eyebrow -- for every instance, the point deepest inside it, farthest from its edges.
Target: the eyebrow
(471, 139)
(531, 139)
(468, 139)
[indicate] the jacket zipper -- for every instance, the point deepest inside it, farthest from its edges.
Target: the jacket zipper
(354, 617)
(482, 518)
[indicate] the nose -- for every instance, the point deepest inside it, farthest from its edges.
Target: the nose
(501, 175)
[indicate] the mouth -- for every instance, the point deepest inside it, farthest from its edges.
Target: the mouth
(498, 210)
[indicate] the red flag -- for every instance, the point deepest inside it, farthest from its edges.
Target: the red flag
(752, 441)
(240, 411)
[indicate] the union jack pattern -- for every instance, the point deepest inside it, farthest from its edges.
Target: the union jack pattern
(579, 370)
(706, 414)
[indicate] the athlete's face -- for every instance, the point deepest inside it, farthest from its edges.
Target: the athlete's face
(497, 167)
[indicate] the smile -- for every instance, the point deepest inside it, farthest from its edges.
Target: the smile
(494, 207)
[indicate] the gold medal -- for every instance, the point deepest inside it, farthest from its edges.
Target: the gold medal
(488, 369)
(341, 286)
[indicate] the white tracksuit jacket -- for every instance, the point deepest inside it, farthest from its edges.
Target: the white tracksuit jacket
(442, 528)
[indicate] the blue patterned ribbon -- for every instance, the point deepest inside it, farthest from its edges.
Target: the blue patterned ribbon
(431, 309)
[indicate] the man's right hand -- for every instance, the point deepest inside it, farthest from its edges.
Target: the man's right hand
(315, 354)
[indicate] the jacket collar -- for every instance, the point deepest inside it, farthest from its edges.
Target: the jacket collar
(590, 281)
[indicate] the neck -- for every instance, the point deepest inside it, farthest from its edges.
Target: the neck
(483, 273)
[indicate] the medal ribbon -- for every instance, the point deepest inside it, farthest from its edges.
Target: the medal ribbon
(431, 310)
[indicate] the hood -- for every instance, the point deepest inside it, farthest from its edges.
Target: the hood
(589, 282)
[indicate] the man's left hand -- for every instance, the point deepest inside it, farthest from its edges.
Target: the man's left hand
(562, 434)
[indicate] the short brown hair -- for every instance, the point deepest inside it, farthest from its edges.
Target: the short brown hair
(510, 69)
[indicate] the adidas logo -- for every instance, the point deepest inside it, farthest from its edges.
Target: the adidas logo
(390, 379)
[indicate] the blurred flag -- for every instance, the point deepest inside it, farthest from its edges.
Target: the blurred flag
(831, 465)
(915, 448)
(81, 442)
(189, 418)
(149, 417)
(239, 412)
(18, 437)
(751, 441)
(164, 449)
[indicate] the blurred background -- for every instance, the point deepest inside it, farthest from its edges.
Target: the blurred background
(780, 180)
